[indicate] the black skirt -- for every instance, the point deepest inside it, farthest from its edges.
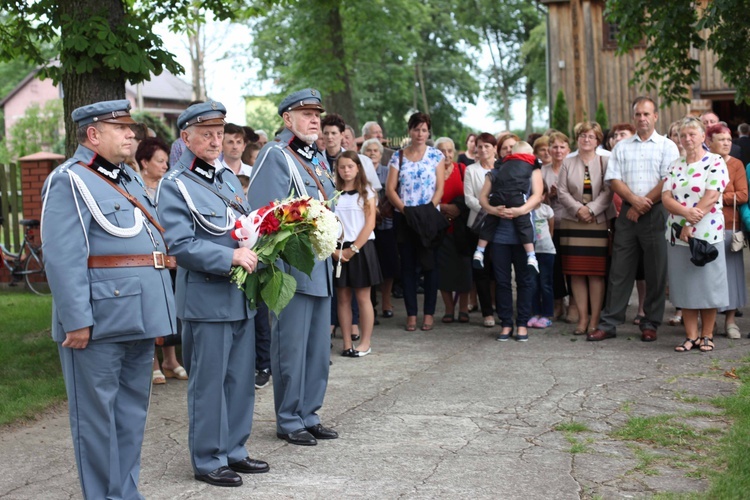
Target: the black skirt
(361, 271)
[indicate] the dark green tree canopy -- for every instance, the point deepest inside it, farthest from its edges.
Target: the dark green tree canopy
(671, 30)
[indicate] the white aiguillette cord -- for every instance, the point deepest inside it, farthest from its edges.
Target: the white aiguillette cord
(198, 217)
(341, 250)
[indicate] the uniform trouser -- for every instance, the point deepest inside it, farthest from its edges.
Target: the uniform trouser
(262, 338)
(300, 353)
(108, 386)
(631, 240)
(220, 359)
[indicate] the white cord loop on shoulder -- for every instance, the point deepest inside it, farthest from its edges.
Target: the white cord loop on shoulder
(207, 226)
(99, 217)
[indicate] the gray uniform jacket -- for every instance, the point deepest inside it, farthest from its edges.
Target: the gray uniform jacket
(271, 181)
(204, 254)
(119, 304)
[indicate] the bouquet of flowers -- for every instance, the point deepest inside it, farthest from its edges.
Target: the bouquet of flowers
(297, 230)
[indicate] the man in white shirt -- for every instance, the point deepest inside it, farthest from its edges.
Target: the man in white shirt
(636, 173)
(233, 146)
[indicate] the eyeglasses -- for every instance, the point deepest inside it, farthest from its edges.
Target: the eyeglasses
(588, 137)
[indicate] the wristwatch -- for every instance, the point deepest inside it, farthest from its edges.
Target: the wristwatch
(354, 248)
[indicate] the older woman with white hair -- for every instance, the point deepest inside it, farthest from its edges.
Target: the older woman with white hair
(385, 234)
(692, 196)
(454, 262)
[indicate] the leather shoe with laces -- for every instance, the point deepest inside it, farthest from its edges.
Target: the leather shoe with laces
(598, 335)
(223, 476)
(320, 432)
(299, 437)
(250, 466)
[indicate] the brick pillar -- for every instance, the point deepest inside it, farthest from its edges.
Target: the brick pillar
(34, 171)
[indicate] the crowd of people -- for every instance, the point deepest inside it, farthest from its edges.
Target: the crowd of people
(575, 222)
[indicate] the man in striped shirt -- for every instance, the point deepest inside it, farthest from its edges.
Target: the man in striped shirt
(636, 173)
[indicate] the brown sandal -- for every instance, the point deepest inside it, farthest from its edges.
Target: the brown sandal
(705, 346)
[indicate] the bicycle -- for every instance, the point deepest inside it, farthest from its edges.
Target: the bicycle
(27, 264)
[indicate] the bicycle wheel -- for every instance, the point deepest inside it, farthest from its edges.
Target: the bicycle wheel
(34, 274)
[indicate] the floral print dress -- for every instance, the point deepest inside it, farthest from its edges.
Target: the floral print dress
(688, 183)
(417, 179)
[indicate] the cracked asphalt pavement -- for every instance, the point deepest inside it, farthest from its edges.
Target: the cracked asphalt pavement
(450, 413)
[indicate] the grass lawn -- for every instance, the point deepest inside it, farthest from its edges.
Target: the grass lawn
(30, 375)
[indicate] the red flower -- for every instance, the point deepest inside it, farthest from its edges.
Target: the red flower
(269, 225)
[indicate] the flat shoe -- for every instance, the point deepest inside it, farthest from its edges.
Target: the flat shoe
(320, 432)
(299, 437)
(223, 476)
(387, 314)
(648, 335)
(463, 317)
(359, 354)
(426, 327)
(157, 378)
(448, 318)
(598, 335)
(249, 466)
(179, 373)
(355, 337)
(637, 320)
(348, 353)
(733, 331)
(489, 323)
(411, 328)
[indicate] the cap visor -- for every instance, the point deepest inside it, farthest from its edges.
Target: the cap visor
(125, 120)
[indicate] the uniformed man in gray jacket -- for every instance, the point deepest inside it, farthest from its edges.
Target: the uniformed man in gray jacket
(199, 201)
(107, 267)
(300, 338)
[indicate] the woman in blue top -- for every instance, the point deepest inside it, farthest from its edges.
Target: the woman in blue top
(416, 175)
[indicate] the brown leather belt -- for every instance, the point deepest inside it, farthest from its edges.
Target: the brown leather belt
(157, 260)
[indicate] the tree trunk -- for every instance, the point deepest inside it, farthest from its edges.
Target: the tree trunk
(197, 52)
(82, 89)
(506, 107)
(341, 101)
(529, 91)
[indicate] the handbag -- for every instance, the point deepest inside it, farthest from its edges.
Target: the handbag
(738, 237)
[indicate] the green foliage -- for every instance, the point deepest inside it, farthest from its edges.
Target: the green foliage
(39, 129)
(601, 116)
(262, 115)
(572, 426)
(560, 114)
(383, 46)
(674, 32)
(157, 125)
(534, 52)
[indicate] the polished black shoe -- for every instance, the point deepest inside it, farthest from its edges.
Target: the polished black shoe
(250, 466)
(299, 437)
(320, 432)
(223, 476)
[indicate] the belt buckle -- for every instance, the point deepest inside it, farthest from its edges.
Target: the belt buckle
(159, 260)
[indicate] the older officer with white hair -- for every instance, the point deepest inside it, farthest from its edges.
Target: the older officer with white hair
(108, 271)
(300, 340)
(199, 201)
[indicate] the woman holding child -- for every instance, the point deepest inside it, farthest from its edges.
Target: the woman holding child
(584, 238)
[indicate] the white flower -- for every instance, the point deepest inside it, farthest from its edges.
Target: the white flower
(327, 229)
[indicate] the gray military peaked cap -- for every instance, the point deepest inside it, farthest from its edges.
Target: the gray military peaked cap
(202, 114)
(105, 111)
(302, 99)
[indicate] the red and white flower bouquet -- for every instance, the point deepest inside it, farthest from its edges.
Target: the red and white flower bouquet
(297, 231)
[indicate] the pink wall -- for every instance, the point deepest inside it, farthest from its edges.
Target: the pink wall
(34, 91)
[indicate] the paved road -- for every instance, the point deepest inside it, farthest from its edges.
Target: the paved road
(446, 414)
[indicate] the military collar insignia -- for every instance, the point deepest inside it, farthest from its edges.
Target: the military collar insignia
(306, 151)
(204, 170)
(108, 170)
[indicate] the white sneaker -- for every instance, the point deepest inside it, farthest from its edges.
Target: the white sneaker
(733, 331)
(533, 263)
(478, 260)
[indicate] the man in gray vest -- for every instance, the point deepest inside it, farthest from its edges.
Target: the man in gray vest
(300, 339)
(199, 201)
(107, 267)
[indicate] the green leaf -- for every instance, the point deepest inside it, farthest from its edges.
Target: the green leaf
(278, 291)
(298, 253)
(252, 289)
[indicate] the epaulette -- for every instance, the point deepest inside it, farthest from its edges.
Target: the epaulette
(66, 165)
(175, 172)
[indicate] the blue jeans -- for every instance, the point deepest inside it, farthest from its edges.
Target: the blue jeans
(502, 258)
(543, 294)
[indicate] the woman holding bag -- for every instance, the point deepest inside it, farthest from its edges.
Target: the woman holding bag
(719, 139)
(692, 196)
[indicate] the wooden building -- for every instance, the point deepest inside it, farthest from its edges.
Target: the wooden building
(581, 61)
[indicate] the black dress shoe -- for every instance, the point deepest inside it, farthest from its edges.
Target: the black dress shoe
(223, 476)
(249, 466)
(320, 432)
(300, 437)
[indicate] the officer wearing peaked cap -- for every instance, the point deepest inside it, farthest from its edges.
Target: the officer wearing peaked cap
(300, 341)
(199, 201)
(107, 267)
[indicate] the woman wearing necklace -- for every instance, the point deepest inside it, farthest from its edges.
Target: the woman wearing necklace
(584, 239)
(415, 178)
(473, 182)
(152, 157)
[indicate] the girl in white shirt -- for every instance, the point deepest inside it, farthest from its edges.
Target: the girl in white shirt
(357, 266)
